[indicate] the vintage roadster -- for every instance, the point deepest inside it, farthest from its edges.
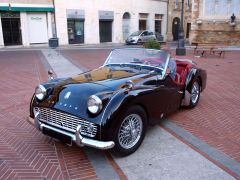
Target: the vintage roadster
(111, 106)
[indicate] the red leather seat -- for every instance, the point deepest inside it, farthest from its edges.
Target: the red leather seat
(183, 68)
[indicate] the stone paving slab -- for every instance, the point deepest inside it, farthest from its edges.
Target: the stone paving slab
(162, 156)
(61, 66)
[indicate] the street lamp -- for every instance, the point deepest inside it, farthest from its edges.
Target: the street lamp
(181, 50)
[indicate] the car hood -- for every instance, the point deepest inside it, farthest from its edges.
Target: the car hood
(71, 95)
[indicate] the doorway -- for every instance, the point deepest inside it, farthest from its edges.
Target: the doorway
(142, 24)
(175, 28)
(188, 30)
(37, 28)
(11, 28)
(75, 31)
(105, 31)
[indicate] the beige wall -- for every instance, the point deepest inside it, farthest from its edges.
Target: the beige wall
(28, 1)
(91, 8)
(213, 29)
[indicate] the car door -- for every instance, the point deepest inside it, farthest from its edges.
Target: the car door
(144, 36)
(150, 35)
(171, 94)
(161, 100)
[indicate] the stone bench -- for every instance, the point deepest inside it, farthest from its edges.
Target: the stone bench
(208, 48)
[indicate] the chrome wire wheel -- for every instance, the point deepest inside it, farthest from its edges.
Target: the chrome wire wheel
(195, 92)
(130, 131)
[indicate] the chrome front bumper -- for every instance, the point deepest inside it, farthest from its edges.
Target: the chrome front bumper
(77, 137)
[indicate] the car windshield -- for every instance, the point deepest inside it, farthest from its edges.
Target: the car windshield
(137, 33)
(146, 58)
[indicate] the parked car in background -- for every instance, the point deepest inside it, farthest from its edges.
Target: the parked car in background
(140, 37)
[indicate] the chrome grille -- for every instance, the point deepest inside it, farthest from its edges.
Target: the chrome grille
(66, 121)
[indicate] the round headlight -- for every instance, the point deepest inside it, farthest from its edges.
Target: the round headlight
(40, 92)
(94, 104)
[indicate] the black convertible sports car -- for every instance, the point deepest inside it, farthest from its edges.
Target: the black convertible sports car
(110, 107)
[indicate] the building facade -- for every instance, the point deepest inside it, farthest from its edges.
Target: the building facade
(26, 22)
(216, 21)
(174, 16)
(98, 21)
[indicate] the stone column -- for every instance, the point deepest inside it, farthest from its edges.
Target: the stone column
(1, 34)
(195, 15)
(117, 34)
(24, 29)
(61, 21)
(171, 14)
(151, 22)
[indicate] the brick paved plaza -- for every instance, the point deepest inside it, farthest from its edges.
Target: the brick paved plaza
(25, 153)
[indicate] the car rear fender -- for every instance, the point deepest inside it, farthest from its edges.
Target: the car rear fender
(191, 77)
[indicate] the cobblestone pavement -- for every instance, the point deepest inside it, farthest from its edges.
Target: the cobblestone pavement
(216, 118)
(24, 152)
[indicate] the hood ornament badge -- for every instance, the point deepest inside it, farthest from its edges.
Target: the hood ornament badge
(67, 95)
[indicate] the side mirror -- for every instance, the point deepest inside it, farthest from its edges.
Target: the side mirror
(50, 74)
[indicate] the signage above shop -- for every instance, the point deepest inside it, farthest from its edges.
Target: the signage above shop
(106, 15)
(7, 14)
(25, 7)
(75, 14)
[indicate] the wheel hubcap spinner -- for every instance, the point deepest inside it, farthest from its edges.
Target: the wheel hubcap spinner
(195, 92)
(130, 131)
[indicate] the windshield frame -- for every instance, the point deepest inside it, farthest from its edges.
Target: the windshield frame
(164, 70)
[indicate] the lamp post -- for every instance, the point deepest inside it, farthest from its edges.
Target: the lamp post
(181, 50)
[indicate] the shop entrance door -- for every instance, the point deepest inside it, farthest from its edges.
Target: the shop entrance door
(11, 28)
(37, 28)
(75, 31)
(105, 28)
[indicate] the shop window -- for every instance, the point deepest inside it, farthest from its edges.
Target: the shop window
(158, 27)
(158, 24)
(75, 31)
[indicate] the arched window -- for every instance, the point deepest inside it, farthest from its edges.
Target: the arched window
(126, 15)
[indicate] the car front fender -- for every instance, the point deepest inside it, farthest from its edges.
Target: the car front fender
(117, 105)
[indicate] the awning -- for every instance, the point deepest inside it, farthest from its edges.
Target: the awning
(25, 7)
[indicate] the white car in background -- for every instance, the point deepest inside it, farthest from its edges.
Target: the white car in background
(140, 37)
